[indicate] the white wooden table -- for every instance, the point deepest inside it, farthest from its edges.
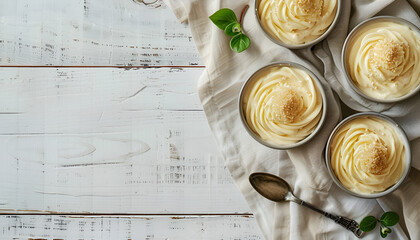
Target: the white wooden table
(102, 135)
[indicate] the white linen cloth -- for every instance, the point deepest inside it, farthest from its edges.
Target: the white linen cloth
(303, 167)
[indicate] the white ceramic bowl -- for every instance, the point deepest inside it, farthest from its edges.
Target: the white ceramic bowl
(403, 138)
(299, 46)
(250, 83)
(346, 48)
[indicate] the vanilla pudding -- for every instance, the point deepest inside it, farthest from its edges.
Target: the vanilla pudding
(296, 21)
(282, 104)
(383, 59)
(367, 155)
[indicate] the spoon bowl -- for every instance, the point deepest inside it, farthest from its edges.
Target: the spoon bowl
(270, 186)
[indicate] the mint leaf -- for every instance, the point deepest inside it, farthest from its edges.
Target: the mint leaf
(223, 17)
(239, 42)
(233, 29)
(384, 231)
(390, 219)
(368, 224)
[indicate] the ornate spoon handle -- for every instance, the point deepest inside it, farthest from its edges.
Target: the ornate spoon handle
(349, 224)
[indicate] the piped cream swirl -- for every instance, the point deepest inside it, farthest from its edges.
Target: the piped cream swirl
(296, 21)
(383, 60)
(367, 155)
(283, 106)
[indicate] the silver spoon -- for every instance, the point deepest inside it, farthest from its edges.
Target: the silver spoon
(276, 189)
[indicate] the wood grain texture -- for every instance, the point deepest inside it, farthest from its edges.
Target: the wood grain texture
(93, 32)
(109, 140)
(112, 228)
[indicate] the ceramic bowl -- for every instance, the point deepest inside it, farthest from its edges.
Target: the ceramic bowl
(404, 139)
(304, 45)
(346, 49)
(250, 82)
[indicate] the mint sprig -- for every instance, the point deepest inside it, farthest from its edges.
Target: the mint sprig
(387, 220)
(226, 20)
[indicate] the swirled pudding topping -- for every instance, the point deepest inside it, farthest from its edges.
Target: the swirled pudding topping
(296, 21)
(367, 155)
(283, 105)
(382, 60)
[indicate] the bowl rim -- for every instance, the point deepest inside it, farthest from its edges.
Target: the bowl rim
(404, 138)
(344, 53)
(305, 45)
(251, 80)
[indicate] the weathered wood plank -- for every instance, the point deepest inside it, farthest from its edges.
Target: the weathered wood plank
(148, 227)
(93, 32)
(109, 140)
